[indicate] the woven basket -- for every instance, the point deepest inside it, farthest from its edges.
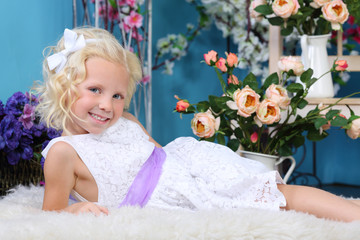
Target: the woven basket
(26, 172)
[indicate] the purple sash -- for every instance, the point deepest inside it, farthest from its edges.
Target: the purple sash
(146, 180)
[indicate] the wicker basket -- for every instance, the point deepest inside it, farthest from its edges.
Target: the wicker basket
(24, 173)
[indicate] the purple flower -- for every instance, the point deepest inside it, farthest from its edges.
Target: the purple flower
(10, 130)
(2, 142)
(38, 129)
(13, 157)
(15, 104)
(28, 117)
(2, 111)
(52, 133)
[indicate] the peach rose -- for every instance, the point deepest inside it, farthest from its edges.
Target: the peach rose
(354, 131)
(232, 59)
(246, 100)
(210, 56)
(233, 79)
(335, 12)
(268, 112)
(278, 94)
(220, 64)
(204, 124)
(285, 8)
(341, 65)
(285, 64)
(253, 5)
(318, 3)
(181, 106)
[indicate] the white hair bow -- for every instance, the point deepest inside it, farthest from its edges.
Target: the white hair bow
(72, 43)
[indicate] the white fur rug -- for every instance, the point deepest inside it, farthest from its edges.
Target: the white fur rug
(21, 217)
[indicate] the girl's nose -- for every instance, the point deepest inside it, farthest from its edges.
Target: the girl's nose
(106, 104)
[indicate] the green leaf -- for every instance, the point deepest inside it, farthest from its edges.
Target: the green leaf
(298, 140)
(331, 114)
(203, 106)
(303, 103)
(311, 82)
(233, 144)
(220, 139)
(314, 135)
(273, 78)
(286, 31)
(264, 9)
(238, 133)
(339, 121)
(306, 76)
(285, 150)
(276, 21)
(214, 104)
(319, 122)
(294, 87)
(250, 80)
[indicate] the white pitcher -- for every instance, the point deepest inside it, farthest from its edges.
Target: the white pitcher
(314, 55)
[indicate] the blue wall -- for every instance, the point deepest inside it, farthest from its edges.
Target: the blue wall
(29, 26)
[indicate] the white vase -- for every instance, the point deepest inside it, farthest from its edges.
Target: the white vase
(271, 162)
(314, 55)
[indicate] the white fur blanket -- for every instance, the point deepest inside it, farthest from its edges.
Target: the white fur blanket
(21, 218)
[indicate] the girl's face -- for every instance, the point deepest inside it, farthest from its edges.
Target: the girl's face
(101, 97)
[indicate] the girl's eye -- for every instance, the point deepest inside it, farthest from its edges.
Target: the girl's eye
(94, 90)
(117, 96)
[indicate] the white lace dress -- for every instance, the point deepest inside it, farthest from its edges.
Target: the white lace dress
(195, 175)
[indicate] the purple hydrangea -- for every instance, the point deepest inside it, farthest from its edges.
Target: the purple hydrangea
(15, 104)
(21, 133)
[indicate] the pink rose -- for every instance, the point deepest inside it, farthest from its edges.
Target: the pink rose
(210, 56)
(253, 5)
(233, 79)
(354, 130)
(278, 94)
(220, 64)
(285, 64)
(247, 101)
(268, 112)
(341, 65)
(285, 8)
(181, 106)
(204, 124)
(232, 60)
(335, 12)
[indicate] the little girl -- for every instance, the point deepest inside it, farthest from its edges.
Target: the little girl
(106, 159)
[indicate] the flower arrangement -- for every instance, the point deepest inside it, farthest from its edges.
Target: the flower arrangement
(310, 17)
(22, 138)
(264, 118)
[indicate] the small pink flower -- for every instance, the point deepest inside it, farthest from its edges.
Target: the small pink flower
(341, 65)
(220, 64)
(181, 106)
(131, 3)
(134, 19)
(145, 79)
(268, 112)
(28, 116)
(254, 137)
(285, 8)
(211, 56)
(232, 79)
(232, 60)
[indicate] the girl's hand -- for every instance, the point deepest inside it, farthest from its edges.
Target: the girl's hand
(84, 207)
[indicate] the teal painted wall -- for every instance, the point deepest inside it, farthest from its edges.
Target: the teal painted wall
(29, 26)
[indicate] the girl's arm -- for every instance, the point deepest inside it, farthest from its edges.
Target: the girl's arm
(133, 118)
(59, 172)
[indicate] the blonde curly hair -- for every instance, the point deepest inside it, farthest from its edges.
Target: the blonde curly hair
(57, 92)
